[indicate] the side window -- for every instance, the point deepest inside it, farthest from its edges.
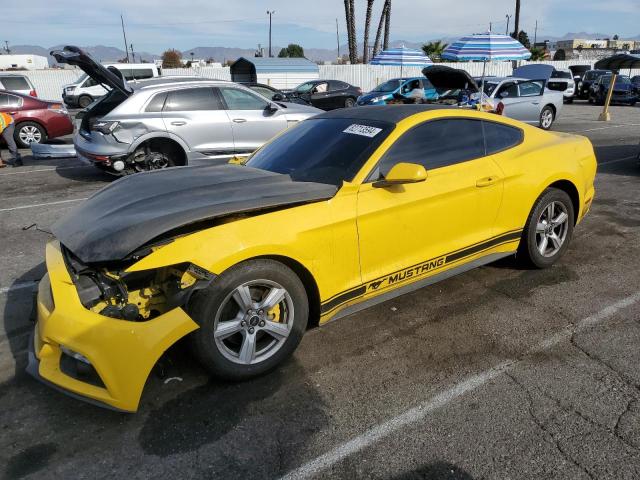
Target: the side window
(237, 99)
(321, 88)
(89, 82)
(508, 90)
(435, 144)
(531, 89)
(141, 73)
(4, 100)
(337, 85)
(192, 99)
(156, 103)
(500, 137)
(13, 101)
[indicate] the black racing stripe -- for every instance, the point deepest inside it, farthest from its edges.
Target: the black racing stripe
(482, 246)
(342, 298)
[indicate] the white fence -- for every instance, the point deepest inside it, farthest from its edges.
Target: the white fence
(49, 83)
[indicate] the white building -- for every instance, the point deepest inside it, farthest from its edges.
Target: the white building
(30, 62)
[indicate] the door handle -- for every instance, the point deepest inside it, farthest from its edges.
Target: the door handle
(178, 123)
(487, 181)
(239, 120)
(536, 103)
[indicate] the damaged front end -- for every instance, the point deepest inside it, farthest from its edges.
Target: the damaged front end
(102, 328)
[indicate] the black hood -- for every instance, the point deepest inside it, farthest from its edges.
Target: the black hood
(447, 78)
(111, 77)
(134, 210)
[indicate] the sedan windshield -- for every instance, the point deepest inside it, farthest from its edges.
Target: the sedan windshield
(389, 86)
(323, 150)
(619, 80)
(489, 87)
(305, 87)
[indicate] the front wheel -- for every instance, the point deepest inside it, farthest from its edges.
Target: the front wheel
(549, 228)
(349, 102)
(546, 118)
(251, 319)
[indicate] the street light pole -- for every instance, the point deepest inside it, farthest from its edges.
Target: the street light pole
(126, 50)
(270, 13)
(508, 19)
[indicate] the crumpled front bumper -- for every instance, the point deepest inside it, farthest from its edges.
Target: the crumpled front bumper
(121, 352)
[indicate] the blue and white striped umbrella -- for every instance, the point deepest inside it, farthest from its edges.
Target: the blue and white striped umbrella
(401, 57)
(486, 47)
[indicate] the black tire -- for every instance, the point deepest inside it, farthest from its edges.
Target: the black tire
(38, 133)
(205, 306)
(590, 100)
(349, 102)
(568, 100)
(528, 251)
(544, 123)
(154, 156)
(84, 101)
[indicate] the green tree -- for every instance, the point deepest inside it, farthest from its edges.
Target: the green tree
(434, 50)
(171, 58)
(292, 51)
(523, 38)
(538, 54)
(560, 55)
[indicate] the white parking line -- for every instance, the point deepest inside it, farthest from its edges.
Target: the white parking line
(440, 400)
(23, 172)
(625, 159)
(42, 204)
(18, 286)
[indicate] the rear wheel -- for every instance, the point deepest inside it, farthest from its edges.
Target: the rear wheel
(156, 154)
(27, 133)
(549, 229)
(84, 101)
(546, 118)
(251, 318)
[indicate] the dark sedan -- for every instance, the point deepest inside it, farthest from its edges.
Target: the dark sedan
(36, 120)
(327, 94)
(636, 84)
(273, 94)
(623, 91)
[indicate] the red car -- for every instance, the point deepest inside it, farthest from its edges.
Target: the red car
(36, 120)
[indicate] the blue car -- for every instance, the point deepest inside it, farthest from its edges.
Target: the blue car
(396, 87)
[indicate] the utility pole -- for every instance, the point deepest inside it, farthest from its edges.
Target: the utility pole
(508, 18)
(133, 55)
(490, 26)
(6, 47)
(126, 49)
(270, 13)
(516, 27)
(535, 35)
(338, 38)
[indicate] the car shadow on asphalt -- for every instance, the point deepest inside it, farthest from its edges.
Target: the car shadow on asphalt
(621, 160)
(435, 471)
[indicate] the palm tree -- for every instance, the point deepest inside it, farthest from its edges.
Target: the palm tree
(538, 54)
(434, 50)
(367, 24)
(347, 9)
(383, 16)
(353, 52)
(387, 25)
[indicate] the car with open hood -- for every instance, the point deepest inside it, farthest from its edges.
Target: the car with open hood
(172, 121)
(344, 210)
(525, 99)
(405, 87)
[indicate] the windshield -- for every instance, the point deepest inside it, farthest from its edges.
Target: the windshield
(389, 86)
(592, 75)
(323, 150)
(305, 87)
(619, 81)
(560, 74)
(489, 87)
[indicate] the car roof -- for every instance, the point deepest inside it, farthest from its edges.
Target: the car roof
(159, 82)
(11, 74)
(387, 113)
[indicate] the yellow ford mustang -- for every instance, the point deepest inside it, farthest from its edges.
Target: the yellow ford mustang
(345, 210)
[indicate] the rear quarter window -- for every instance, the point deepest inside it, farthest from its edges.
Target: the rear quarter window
(499, 137)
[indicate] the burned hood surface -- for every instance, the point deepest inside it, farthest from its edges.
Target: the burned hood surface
(134, 210)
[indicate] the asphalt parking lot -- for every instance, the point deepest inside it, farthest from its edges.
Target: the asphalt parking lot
(500, 373)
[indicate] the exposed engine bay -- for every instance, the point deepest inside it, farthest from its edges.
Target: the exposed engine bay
(135, 296)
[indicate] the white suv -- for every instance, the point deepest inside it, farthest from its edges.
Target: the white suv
(562, 81)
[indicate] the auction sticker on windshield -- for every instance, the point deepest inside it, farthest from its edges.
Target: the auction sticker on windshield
(364, 130)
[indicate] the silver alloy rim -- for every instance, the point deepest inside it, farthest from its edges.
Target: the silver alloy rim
(547, 118)
(30, 134)
(551, 229)
(253, 322)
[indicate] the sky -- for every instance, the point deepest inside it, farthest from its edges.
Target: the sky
(154, 25)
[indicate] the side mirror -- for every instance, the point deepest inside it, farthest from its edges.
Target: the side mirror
(237, 160)
(271, 108)
(402, 173)
(277, 97)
